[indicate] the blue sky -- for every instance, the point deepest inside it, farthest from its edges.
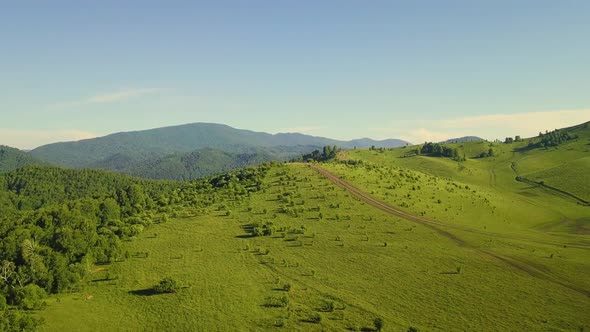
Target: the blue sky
(418, 70)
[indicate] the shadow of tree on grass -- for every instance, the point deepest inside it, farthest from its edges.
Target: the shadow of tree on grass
(144, 292)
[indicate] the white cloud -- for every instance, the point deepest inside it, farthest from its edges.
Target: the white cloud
(110, 97)
(29, 139)
(489, 126)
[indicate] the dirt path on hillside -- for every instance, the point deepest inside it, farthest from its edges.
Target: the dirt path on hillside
(492, 173)
(387, 208)
(521, 265)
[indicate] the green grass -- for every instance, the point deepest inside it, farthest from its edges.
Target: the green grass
(576, 182)
(367, 263)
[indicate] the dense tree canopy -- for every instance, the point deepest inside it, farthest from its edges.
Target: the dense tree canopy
(438, 150)
(553, 138)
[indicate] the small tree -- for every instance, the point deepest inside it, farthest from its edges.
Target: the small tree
(413, 329)
(378, 322)
(166, 285)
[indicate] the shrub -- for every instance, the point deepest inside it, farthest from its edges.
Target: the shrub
(315, 318)
(263, 229)
(166, 285)
(378, 322)
(277, 302)
(29, 297)
(328, 306)
(413, 329)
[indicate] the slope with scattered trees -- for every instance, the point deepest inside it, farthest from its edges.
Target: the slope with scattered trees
(56, 223)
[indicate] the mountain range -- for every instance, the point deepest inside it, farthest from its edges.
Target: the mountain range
(189, 151)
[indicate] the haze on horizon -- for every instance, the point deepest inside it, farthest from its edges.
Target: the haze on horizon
(417, 71)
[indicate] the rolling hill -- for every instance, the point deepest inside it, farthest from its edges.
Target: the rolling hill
(374, 235)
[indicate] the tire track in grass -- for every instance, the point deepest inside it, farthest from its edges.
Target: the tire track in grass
(520, 265)
(492, 173)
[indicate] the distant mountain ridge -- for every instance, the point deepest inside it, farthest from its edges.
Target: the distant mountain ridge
(185, 166)
(175, 146)
(367, 143)
(183, 138)
(12, 158)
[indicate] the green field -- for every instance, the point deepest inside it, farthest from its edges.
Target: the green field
(509, 260)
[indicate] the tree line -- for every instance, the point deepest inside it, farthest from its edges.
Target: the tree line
(327, 153)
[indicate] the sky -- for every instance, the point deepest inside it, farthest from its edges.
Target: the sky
(416, 70)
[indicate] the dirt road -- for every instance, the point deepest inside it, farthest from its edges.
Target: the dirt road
(437, 226)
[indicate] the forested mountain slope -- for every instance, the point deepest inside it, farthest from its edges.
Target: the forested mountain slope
(187, 138)
(12, 158)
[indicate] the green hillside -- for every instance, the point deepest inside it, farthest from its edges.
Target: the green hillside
(576, 182)
(509, 160)
(373, 236)
(329, 262)
(11, 159)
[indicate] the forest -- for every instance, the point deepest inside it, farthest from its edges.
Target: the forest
(57, 223)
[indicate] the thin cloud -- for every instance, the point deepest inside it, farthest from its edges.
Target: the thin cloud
(490, 126)
(111, 97)
(29, 139)
(121, 95)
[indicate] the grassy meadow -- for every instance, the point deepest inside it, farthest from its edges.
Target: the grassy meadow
(335, 263)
